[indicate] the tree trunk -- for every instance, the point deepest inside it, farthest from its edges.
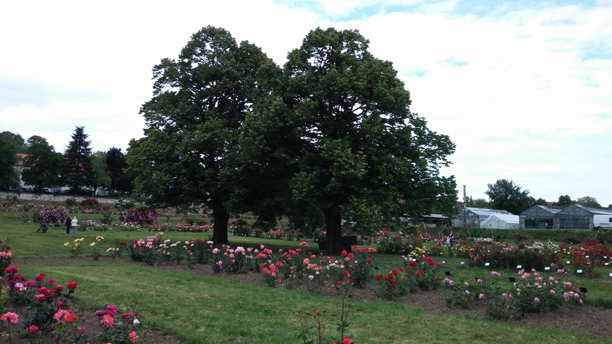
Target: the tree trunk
(333, 223)
(221, 218)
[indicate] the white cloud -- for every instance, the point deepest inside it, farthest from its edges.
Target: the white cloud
(524, 91)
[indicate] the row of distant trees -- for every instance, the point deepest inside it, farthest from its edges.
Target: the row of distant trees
(506, 195)
(77, 167)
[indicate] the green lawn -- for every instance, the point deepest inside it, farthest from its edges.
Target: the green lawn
(197, 309)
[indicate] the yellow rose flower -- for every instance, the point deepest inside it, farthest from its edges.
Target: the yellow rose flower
(92, 244)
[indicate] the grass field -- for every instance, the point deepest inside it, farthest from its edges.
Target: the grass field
(198, 309)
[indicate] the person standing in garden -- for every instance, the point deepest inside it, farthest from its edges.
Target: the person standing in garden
(74, 225)
(451, 237)
(68, 224)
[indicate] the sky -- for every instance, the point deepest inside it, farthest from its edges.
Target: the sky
(523, 88)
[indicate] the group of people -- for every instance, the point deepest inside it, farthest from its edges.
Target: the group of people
(71, 223)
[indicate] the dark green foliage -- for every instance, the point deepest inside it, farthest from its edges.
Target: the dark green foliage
(588, 201)
(78, 168)
(192, 122)
(338, 133)
(506, 195)
(116, 165)
(565, 201)
(43, 165)
(10, 145)
(102, 176)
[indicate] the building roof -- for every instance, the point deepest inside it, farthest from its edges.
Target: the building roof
(508, 218)
(21, 158)
(598, 211)
(486, 212)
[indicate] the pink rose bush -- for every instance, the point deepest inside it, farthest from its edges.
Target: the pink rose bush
(51, 313)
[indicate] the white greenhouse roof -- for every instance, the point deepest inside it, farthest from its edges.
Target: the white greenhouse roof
(508, 218)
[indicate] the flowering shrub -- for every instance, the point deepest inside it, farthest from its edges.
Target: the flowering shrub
(143, 216)
(463, 294)
(396, 243)
(415, 275)
(89, 203)
(52, 315)
(76, 249)
(6, 256)
(122, 329)
(275, 234)
(53, 215)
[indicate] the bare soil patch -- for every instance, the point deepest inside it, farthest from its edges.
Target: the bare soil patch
(586, 320)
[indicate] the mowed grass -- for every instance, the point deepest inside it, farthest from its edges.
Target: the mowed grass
(197, 309)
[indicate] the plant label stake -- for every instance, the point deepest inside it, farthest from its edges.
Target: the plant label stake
(547, 268)
(461, 263)
(486, 264)
(519, 266)
(579, 271)
(568, 262)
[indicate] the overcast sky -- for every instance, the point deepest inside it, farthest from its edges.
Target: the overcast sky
(524, 88)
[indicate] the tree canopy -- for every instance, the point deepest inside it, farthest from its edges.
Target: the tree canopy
(116, 165)
(192, 122)
(506, 195)
(78, 169)
(10, 145)
(565, 201)
(102, 176)
(588, 201)
(338, 130)
(43, 165)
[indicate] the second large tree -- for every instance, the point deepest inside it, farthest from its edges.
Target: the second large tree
(342, 121)
(198, 105)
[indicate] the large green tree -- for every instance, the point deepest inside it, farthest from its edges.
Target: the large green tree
(78, 169)
(338, 130)
(10, 145)
(192, 122)
(506, 195)
(43, 165)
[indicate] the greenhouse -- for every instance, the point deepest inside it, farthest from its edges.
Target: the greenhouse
(501, 221)
(473, 217)
(539, 217)
(578, 216)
